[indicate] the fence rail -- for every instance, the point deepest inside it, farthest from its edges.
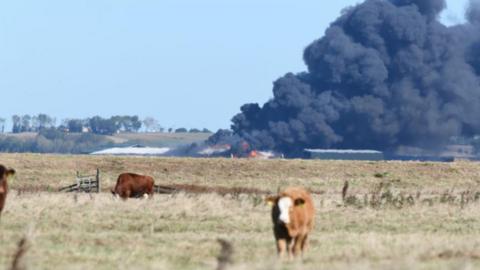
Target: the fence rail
(164, 189)
(198, 189)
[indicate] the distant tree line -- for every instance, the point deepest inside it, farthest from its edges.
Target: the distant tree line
(103, 126)
(74, 135)
(192, 130)
(96, 125)
(27, 123)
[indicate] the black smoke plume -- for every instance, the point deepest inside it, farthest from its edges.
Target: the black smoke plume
(386, 74)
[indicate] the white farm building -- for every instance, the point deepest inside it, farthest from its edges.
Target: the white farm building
(134, 150)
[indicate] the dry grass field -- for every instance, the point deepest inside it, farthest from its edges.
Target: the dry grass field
(395, 215)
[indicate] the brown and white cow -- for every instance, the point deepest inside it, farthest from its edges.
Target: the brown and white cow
(5, 173)
(293, 215)
(131, 185)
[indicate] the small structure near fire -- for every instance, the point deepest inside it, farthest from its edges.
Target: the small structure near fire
(215, 150)
(344, 154)
(448, 153)
(459, 152)
(263, 155)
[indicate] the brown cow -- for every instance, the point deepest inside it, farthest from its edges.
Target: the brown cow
(131, 185)
(4, 175)
(293, 216)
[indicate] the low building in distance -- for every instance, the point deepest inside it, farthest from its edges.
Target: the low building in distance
(344, 154)
(134, 150)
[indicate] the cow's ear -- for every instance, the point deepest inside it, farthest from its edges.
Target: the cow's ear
(299, 202)
(10, 172)
(271, 200)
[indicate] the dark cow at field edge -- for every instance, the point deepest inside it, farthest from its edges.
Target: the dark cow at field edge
(131, 185)
(4, 175)
(293, 215)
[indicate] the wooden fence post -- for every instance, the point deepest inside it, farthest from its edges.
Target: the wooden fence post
(98, 180)
(79, 181)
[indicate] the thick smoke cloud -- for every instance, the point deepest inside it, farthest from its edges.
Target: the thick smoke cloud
(430, 8)
(385, 74)
(473, 13)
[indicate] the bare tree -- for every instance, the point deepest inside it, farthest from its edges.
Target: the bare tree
(16, 123)
(151, 125)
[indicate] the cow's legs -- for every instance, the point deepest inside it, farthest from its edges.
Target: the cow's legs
(125, 194)
(305, 245)
(291, 243)
(281, 247)
(296, 245)
(3, 198)
(150, 192)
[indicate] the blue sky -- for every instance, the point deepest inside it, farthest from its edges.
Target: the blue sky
(185, 63)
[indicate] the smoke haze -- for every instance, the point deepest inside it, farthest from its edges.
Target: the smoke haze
(386, 74)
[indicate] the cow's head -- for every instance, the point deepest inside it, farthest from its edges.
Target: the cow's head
(5, 174)
(283, 207)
